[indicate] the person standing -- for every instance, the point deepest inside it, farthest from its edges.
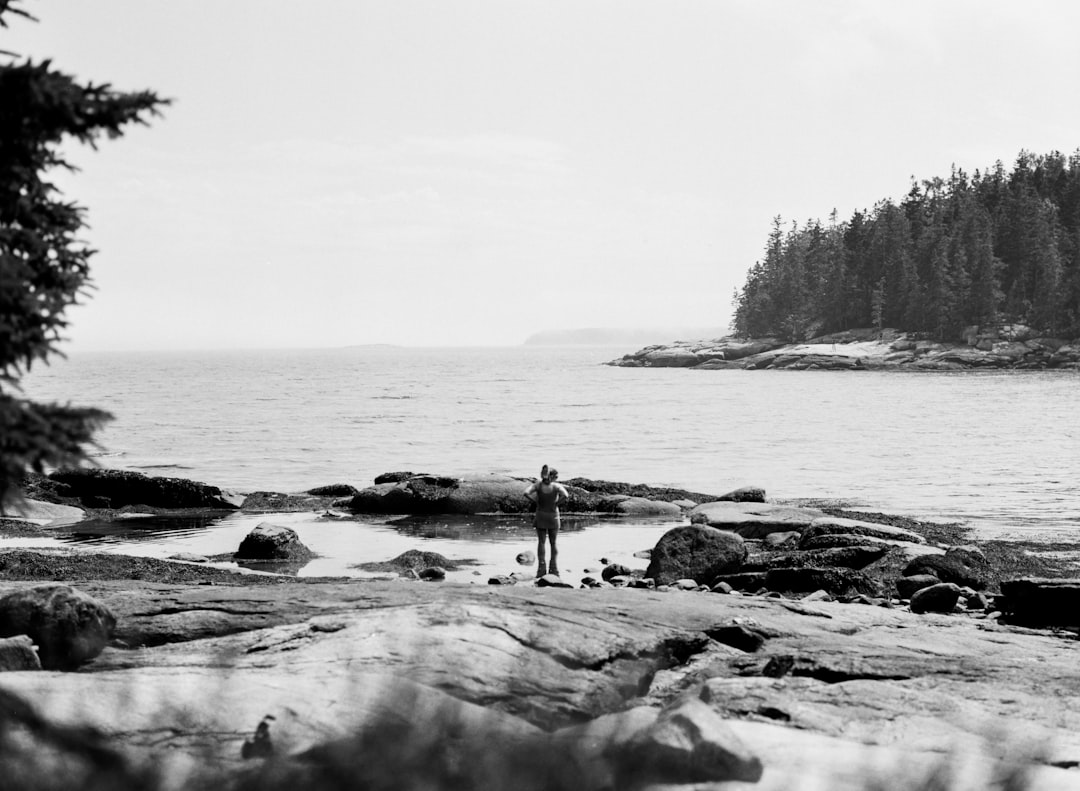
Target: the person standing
(547, 493)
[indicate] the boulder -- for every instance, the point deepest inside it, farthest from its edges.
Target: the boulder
(68, 627)
(429, 494)
(695, 551)
(334, 490)
(411, 560)
(1034, 601)
(961, 565)
(273, 542)
(18, 653)
(754, 520)
(432, 574)
(936, 598)
(116, 488)
(908, 586)
(745, 494)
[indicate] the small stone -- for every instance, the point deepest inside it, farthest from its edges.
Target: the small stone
(525, 558)
(684, 584)
(722, 587)
(552, 581)
(614, 570)
(433, 574)
(937, 598)
(818, 595)
(502, 579)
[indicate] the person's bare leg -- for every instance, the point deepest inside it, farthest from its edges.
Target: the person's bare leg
(554, 567)
(541, 554)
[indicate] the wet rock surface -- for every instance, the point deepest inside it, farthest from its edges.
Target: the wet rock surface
(104, 488)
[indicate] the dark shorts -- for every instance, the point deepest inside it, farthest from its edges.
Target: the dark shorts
(545, 521)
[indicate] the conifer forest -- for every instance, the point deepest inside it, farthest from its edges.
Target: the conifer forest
(997, 246)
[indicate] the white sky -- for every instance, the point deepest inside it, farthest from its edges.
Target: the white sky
(455, 172)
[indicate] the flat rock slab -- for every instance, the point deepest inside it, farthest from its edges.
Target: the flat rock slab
(834, 525)
(43, 513)
(755, 520)
(843, 681)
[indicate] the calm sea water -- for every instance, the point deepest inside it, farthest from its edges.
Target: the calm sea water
(996, 450)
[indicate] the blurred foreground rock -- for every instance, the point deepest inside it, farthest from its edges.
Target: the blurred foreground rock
(68, 627)
(653, 689)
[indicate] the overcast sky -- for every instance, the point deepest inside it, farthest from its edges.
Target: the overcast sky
(460, 172)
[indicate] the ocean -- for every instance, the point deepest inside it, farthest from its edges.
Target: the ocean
(995, 450)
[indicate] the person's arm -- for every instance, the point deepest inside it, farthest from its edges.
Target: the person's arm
(530, 491)
(563, 494)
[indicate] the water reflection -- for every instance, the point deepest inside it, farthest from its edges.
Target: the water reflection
(482, 528)
(134, 530)
(491, 542)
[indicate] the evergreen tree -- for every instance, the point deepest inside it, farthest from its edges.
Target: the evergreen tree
(44, 267)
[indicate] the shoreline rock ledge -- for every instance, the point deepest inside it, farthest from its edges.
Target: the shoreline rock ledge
(1012, 346)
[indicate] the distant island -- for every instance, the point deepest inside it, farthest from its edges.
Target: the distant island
(613, 336)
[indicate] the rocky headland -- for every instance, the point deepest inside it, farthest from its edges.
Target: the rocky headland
(758, 645)
(1011, 346)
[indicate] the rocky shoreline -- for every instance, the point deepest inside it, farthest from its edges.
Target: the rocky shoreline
(764, 646)
(1011, 346)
